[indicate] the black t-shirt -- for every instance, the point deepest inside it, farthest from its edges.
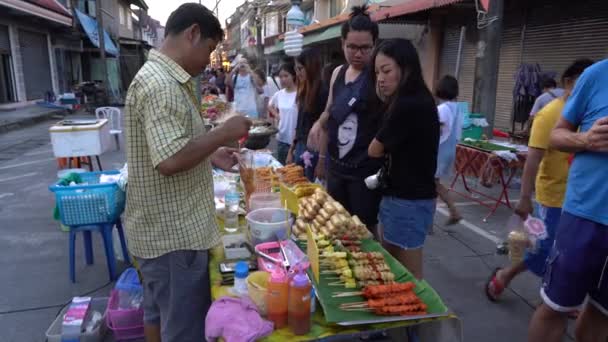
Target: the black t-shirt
(353, 122)
(307, 118)
(410, 135)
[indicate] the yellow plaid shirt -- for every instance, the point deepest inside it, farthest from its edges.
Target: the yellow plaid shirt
(165, 214)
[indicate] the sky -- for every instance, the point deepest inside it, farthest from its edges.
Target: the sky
(161, 9)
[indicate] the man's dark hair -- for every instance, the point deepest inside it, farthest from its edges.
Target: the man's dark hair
(447, 88)
(191, 13)
(548, 82)
(576, 68)
(360, 21)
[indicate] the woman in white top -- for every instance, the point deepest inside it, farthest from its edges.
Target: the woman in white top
(446, 93)
(284, 107)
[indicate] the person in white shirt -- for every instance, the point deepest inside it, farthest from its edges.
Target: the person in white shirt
(247, 89)
(450, 126)
(283, 106)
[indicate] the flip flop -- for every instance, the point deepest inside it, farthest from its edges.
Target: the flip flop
(498, 287)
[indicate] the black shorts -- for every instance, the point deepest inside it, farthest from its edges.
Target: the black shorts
(356, 198)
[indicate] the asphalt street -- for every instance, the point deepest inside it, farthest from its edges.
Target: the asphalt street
(34, 253)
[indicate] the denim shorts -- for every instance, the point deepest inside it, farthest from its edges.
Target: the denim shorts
(577, 267)
(405, 223)
(536, 262)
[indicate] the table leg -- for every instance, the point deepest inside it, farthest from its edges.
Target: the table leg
(99, 163)
(90, 163)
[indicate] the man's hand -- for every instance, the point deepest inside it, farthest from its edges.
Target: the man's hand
(596, 139)
(235, 128)
(524, 208)
(225, 158)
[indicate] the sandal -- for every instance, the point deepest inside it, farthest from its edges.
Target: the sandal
(494, 288)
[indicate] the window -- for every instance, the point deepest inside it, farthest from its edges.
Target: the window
(336, 7)
(271, 25)
(129, 19)
(121, 14)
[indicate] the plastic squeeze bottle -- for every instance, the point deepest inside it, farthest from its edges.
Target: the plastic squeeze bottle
(299, 304)
(276, 298)
(241, 271)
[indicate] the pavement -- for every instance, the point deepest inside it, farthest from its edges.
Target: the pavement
(15, 119)
(34, 253)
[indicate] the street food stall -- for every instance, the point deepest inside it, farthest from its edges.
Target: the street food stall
(357, 287)
(489, 162)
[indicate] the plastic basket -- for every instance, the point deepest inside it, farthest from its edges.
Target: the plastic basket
(126, 324)
(53, 333)
(90, 203)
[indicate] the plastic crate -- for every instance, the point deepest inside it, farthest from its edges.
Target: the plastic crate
(89, 204)
(53, 333)
(126, 324)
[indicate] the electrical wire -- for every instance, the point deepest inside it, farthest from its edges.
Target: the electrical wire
(60, 306)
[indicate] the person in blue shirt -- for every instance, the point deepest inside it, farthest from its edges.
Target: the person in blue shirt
(577, 268)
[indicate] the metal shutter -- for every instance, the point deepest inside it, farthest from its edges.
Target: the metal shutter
(510, 59)
(466, 77)
(36, 66)
(559, 32)
(5, 43)
(449, 51)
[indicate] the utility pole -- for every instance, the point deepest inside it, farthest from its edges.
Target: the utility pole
(486, 63)
(258, 38)
(102, 46)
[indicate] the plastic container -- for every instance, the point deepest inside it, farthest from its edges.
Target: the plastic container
(257, 286)
(81, 140)
(130, 290)
(53, 333)
(125, 324)
(241, 272)
(261, 200)
(277, 298)
(266, 224)
(471, 131)
(231, 212)
(298, 312)
(90, 203)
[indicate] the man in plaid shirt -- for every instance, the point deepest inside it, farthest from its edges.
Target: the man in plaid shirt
(170, 215)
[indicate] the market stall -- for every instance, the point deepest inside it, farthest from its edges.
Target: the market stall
(490, 162)
(359, 287)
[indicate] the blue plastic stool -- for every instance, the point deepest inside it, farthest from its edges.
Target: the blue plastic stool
(106, 234)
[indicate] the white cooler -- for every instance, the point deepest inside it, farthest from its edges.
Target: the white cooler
(80, 140)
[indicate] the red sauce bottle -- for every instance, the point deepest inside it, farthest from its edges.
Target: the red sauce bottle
(299, 304)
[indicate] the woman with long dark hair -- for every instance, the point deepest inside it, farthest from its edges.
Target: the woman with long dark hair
(283, 106)
(312, 97)
(350, 121)
(408, 140)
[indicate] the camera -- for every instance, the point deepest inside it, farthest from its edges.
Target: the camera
(378, 180)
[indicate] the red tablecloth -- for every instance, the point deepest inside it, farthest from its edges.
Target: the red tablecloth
(484, 165)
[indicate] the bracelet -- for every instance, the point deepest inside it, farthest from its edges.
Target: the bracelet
(321, 156)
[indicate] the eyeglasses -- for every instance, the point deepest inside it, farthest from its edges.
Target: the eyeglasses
(361, 48)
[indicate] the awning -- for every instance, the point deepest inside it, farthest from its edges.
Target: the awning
(277, 47)
(90, 28)
(45, 9)
(321, 36)
(410, 7)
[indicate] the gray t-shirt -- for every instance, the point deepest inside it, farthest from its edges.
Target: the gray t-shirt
(545, 98)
